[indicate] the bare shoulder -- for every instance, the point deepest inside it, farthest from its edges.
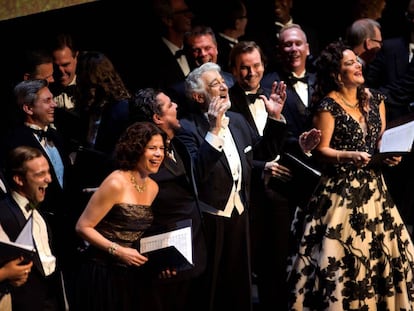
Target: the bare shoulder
(115, 181)
(152, 187)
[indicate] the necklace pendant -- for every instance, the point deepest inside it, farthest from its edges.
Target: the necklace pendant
(139, 188)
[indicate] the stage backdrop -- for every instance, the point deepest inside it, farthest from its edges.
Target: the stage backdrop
(15, 8)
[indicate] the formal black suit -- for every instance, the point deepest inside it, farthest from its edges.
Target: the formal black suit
(393, 74)
(224, 47)
(271, 211)
(163, 69)
(23, 136)
(57, 207)
(39, 291)
(177, 200)
(227, 238)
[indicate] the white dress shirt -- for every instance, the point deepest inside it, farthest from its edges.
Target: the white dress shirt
(40, 234)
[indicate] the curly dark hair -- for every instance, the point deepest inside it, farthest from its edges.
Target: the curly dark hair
(131, 145)
(144, 104)
(328, 67)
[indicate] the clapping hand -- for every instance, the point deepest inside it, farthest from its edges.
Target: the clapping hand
(274, 104)
(309, 140)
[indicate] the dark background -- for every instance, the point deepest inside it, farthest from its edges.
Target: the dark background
(122, 29)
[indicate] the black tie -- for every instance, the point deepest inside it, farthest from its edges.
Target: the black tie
(294, 79)
(252, 97)
(69, 90)
(179, 53)
(42, 134)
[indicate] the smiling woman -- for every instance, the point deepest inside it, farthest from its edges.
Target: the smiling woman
(17, 8)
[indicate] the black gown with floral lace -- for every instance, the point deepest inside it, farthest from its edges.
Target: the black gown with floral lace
(352, 250)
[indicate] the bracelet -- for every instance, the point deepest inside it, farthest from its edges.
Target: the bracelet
(338, 159)
(112, 248)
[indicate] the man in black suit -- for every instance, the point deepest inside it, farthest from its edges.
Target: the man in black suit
(392, 72)
(177, 200)
(271, 210)
(29, 176)
(223, 147)
(165, 58)
(35, 101)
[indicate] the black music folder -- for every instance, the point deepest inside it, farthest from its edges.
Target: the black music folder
(303, 182)
(395, 141)
(169, 247)
(11, 250)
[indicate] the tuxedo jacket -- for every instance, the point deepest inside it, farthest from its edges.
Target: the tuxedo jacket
(177, 200)
(38, 289)
(23, 136)
(391, 73)
(213, 174)
(297, 114)
(224, 47)
(297, 118)
(164, 70)
(59, 206)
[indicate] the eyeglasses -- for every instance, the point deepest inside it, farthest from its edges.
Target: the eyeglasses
(375, 40)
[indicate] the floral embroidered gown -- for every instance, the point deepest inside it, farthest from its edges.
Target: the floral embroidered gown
(353, 252)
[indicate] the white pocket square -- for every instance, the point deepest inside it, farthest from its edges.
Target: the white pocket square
(247, 149)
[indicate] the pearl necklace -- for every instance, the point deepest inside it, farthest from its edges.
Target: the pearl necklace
(139, 188)
(346, 103)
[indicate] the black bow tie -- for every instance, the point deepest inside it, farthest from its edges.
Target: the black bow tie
(252, 97)
(179, 53)
(69, 90)
(294, 79)
(42, 134)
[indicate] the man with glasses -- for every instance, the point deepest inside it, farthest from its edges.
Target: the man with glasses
(364, 37)
(169, 64)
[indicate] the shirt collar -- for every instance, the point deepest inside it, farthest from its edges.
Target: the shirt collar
(290, 21)
(35, 127)
(21, 202)
(232, 40)
(171, 46)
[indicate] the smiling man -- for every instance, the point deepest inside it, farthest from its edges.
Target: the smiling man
(37, 107)
(29, 176)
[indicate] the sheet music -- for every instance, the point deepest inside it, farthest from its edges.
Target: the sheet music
(398, 139)
(179, 238)
(25, 236)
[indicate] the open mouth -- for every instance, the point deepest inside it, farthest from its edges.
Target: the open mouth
(43, 190)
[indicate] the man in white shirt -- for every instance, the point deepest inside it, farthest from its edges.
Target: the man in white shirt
(28, 174)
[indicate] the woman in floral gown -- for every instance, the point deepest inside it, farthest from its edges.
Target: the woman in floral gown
(352, 250)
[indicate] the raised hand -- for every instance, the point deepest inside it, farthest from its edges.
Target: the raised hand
(309, 140)
(274, 104)
(216, 110)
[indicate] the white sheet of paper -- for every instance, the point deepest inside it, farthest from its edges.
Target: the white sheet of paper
(398, 139)
(26, 235)
(179, 238)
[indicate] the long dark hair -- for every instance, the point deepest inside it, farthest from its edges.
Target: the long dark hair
(328, 67)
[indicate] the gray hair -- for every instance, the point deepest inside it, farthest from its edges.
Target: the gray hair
(360, 30)
(26, 91)
(194, 83)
